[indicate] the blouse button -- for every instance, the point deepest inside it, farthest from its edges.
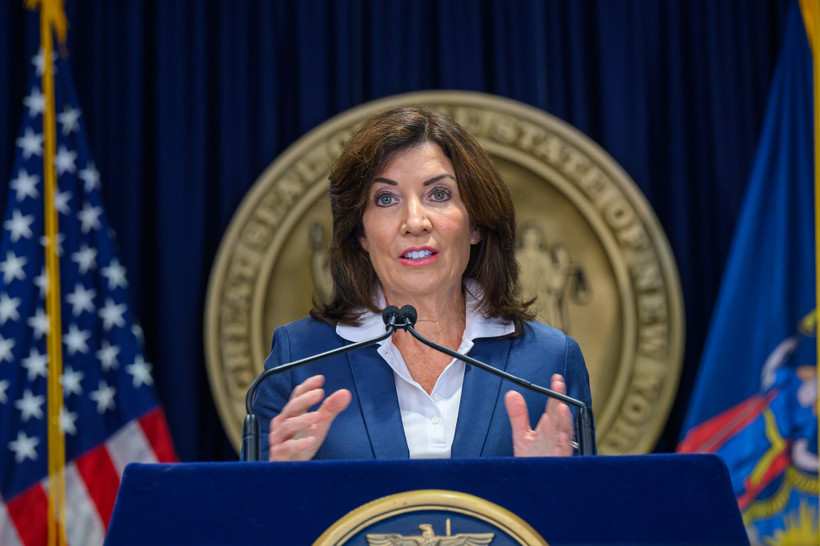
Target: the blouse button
(436, 420)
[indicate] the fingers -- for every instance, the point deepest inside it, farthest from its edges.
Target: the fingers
(522, 434)
(556, 424)
(517, 411)
(301, 449)
(560, 418)
(297, 433)
(554, 407)
(557, 384)
(556, 427)
(554, 434)
(335, 404)
(304, 395)
(300, 403)
(285, 427)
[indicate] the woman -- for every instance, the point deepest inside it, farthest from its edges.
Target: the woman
(420, 217)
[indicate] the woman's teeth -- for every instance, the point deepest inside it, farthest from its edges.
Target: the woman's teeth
(417, 254)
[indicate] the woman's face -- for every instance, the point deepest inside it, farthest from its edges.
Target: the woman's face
(416, 227)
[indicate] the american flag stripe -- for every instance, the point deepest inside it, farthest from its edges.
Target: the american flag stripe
(101, 479)
(109, 416)
(83, 524)
(92, 481)
(28, 511)
(129, 445)
(156, 431)
(8, 533)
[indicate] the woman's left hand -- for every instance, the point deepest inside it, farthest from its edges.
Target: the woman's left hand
(553, 434)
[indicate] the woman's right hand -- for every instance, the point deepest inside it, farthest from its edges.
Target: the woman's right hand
(296, 433)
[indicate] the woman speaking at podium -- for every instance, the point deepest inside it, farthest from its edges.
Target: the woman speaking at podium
(421, 217)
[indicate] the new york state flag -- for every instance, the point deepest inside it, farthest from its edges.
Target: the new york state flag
(109, 416)
(755, 401)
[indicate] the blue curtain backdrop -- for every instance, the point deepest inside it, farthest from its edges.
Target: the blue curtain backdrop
(186, 102)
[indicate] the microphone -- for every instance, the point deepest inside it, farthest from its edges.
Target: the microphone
(586, 425)
(408, 315)
(250, 427)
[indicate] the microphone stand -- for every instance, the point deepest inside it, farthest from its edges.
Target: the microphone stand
(586, 425)
(250, 427)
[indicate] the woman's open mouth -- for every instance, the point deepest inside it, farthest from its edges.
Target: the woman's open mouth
(420, 256)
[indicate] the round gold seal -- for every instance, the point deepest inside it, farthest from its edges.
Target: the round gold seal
(380, 522)
(590, 249)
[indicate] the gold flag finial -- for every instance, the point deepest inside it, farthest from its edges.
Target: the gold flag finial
(55, 15)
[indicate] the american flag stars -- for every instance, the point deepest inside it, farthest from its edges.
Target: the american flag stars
(97, 333)
(108, 408)
(35, 102)
(25, 185)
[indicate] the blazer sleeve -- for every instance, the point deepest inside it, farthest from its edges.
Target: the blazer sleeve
(274, 393)
(348, 436)
(575, 373)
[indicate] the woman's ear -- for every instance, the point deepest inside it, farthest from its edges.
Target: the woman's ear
(363, 242)
(475, 236)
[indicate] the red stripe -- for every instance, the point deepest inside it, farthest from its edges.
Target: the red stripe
(29, 512)
(101, 479)
(156, 431)
(778, 466)
(710, 435)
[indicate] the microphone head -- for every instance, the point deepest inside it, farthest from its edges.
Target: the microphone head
(390, 312)
(408, 315)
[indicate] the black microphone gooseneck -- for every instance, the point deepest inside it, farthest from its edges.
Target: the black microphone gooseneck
(250, 428)
(586, 426)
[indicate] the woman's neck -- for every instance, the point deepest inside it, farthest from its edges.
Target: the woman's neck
(440, 319)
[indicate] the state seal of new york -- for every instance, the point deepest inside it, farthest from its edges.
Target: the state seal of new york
(413, 518)
(590, 248)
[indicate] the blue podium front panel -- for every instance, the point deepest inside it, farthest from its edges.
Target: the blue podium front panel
(650, 499)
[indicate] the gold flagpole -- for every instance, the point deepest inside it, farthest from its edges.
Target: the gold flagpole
(52, 18)
(811, 20)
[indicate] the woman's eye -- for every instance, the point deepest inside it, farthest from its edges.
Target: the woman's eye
(440, 194)
(384, 200)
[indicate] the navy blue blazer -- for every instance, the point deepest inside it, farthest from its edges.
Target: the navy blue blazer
(371, 426)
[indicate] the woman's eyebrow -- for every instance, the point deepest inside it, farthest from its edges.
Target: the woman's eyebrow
(437, 178)
(426, 182)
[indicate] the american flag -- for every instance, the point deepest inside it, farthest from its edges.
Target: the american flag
(109, 415)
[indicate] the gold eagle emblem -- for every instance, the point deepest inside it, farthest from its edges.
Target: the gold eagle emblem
(428, 537)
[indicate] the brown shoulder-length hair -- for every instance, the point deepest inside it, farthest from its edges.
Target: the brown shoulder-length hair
(486, 197)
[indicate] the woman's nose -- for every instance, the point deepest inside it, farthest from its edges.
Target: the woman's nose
(416, 220)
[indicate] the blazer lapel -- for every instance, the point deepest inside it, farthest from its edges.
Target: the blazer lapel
(376, 390)
(480, 396)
